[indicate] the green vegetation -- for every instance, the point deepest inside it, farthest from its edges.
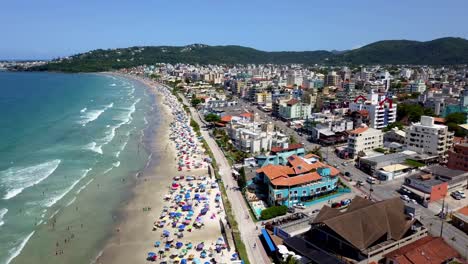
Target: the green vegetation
(392, 125)
(290, 260)
(195, 126)
(242, 180)
(212, 118)
(196, 101)
(412, 112)
(316, 151)
(439, 51)
(273, 212)
(292, 139)
(381, 150)
(453, 121)
(230, 151)
(414, 163)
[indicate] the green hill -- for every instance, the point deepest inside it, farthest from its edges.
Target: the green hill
(439, 51)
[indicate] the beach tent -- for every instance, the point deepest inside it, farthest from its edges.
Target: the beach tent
(152, 256)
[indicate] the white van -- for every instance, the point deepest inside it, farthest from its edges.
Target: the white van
(371, 180)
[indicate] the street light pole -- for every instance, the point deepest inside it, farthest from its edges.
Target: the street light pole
(442, 217)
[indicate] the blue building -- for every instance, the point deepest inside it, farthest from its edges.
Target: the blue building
(279, 155)
(300, 180)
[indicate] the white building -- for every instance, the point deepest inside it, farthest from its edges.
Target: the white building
(364, 139)
(254, 137)
(417, 87)
(425, 137)
(382, 111)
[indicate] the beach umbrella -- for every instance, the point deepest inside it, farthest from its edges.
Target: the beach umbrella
(179, 244)
(166, 233)
(196, 261)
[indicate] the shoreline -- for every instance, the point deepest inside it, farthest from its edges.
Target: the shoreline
(134, 238)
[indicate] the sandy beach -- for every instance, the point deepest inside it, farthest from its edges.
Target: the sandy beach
(157, 191)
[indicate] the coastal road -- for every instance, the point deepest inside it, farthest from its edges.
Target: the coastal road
(247, 228)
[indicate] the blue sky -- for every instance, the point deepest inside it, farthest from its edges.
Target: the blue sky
(51, 28)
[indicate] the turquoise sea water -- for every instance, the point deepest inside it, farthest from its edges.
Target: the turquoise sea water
(67, 144)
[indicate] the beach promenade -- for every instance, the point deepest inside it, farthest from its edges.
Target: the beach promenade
(249, 232)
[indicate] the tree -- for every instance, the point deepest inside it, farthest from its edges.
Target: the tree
(212, 118)
(457, 118)
(273, 212)
(290, 260)
(241, 180)
(397, 124)
(412, 112)
(195, 101)
(292, 140)
(316, 151)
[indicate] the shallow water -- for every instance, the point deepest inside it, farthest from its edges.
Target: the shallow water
(70, 146)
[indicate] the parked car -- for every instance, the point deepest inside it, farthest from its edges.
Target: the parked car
(344, 164)
(371, 180)
(414, 201)
(405, 198)
(359, 183)
(300, 206)
(291, 210)
(456, 196)
(460, 193)
(336, 205)
(347, 173)
(316, 211)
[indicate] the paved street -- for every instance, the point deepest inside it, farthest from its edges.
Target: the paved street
(381, 191)
(248, 230)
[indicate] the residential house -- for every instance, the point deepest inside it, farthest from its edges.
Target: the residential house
(364, 139)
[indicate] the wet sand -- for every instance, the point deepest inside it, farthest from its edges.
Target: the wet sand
(133, 237)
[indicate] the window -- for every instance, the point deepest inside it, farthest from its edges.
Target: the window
(279, 196)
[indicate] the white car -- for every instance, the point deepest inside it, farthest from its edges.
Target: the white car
(461, 194)
(300, 206)
(405, 198)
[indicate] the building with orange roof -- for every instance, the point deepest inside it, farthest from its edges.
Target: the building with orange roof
(460, 219)
(427, 250)
(279, 154)
(294, 110)
(299, 180)
(364, 139)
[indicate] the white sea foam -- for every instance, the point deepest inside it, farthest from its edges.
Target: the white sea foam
(54, 214)
(3, 212)
(84, 186)
(57, 198)
(117, 154)
(93, 146)
(113, 84)
(16, 179)
(92, 115)
(83, 110)
(116, 164)
(14, 252)
(106, 171)
(71, 202)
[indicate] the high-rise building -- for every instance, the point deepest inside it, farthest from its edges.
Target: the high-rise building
(425, 137)
(364, 139)
(332, 79)
(382, 111)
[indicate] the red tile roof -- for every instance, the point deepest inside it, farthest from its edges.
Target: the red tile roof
(247, 115)
(290, 147)
(226, 118)
(296, 180)
(359, 130)
(464, 210)
(292, 102)
(427, 250)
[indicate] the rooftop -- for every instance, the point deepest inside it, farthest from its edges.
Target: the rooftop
(288, 148)
(365, 222)
(427, 250)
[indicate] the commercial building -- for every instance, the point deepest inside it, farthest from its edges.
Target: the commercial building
(332, 79)
(366, 231)
(381, 109)
(364, 139)
(460, 219)
(388, 167)
(458, 157)
(425, 137)
(300, 180)
(417, 87)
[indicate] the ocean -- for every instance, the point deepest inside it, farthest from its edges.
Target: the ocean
(70, 147)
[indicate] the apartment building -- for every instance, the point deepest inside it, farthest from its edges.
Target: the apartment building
(364, 139)
(425, 137)
(382, 111)
(458, 157)
(294, 109)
